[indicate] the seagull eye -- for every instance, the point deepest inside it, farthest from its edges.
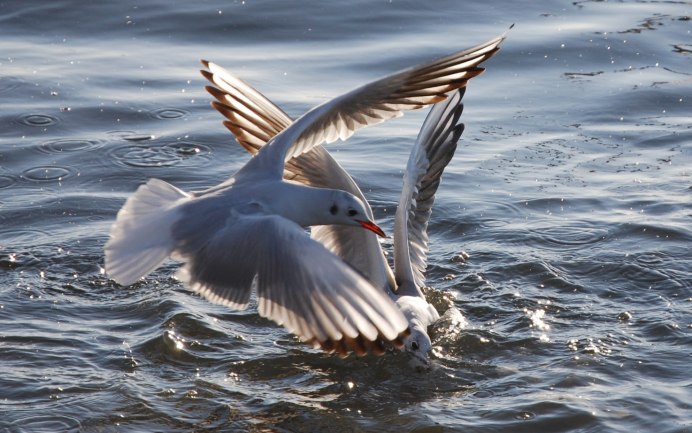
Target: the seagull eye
(334, 209)
(414, 345)
(352, 212)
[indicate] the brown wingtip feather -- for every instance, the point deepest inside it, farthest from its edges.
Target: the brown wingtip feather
(218, 94)
(238, 134)
(222, 108)
(360, 345)
(206, 74)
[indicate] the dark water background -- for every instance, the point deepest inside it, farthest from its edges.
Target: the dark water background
(571, 192)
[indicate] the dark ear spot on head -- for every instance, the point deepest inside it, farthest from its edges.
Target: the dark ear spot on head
(334, 209)
(352, 212)
(414, 345)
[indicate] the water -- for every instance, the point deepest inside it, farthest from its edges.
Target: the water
(571, 193)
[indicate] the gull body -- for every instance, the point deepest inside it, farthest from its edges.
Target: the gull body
(248, 231)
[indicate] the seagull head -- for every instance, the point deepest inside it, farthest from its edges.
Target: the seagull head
(347, 209)
(417, 345)
(420, 314)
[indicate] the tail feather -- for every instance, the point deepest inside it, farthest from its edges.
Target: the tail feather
(140, 239)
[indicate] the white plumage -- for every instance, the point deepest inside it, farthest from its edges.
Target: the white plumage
(248, 231)
(254, 120)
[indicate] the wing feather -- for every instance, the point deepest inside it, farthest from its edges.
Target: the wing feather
(434, 149)
(357, 247)
(367, 105)
(300, 284)
(386, 98)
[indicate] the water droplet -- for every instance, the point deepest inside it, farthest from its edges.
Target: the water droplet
(460, 257)
(525, 415)
(625, 316)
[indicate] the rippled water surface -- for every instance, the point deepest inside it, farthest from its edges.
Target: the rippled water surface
(571, 193)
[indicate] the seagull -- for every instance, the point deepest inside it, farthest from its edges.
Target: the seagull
(249, 231)
(434, 148)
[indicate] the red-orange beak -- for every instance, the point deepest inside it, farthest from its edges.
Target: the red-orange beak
(369, 225)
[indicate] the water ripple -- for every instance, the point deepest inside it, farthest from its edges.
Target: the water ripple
(168, 347)
(167, 155)
(70, 145)
(8, 84)
(138, 137)
(650, 259)
(545, 416)
(130, 135)
(23, 237)
(560, 237)
(48, 173)
(46, 423)
(7, 181)
(39, 120)
(168, 113)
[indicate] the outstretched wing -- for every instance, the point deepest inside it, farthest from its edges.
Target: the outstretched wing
(300, 284)
(434, 148)
(372, 103)
(254, 120)
(251, 117)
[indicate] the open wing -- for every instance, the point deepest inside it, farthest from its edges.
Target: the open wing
(434, 148)
(300, 284)
(254, 120)
(370, 104)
